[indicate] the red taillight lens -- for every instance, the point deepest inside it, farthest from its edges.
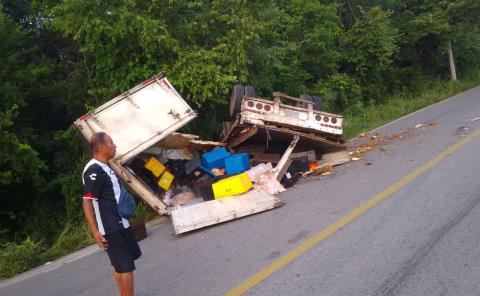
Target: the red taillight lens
(267, 107)
(325, 119)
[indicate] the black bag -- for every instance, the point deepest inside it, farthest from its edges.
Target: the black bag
(126, 204)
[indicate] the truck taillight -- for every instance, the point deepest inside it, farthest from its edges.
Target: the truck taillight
(148, 81)
(84, 116)
(326, 119)
(259, 106)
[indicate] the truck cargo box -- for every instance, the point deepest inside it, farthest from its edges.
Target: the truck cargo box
(148, 115)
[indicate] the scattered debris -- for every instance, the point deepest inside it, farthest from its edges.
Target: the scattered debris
(327, 166)
(261, 157)
(474, 119)
(379, 141)
(362, 134)
(306, 155)
(335, 158)
(218, 172)
(355, 158)
(459, 131)
(268, 182)
(258, 170)
(184, 198)
(419, 125)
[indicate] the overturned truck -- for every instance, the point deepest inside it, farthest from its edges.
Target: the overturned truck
(143, 122)
(260, 120)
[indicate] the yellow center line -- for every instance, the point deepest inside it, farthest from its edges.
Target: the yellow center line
(253, 280)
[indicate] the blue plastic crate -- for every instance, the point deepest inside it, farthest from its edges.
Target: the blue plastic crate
(237, 163)
(215, 159)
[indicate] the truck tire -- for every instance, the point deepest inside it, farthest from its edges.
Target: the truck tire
(249, 91)
(236, 99)
(318, 104)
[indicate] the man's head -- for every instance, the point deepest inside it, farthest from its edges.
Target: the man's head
(102, 146)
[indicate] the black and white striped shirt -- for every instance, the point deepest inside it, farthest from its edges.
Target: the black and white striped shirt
(101, 185)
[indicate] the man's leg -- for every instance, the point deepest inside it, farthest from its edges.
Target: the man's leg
(116, 276)
(125, 283)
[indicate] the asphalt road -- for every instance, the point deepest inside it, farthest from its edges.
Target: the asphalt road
(421, 238)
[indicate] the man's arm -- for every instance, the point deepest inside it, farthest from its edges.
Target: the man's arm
(92, 226)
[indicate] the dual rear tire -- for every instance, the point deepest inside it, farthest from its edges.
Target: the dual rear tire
(318, 103)
(236, 98)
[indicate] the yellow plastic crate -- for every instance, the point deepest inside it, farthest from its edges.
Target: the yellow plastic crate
(155, 166)
(165, 180)
(232, 186)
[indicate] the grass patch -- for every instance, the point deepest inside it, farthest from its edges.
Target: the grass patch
(17, 257)
(144, 212)
(401, 104)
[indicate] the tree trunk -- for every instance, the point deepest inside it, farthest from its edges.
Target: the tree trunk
(453, 73)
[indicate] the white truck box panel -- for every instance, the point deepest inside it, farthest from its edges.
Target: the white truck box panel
(190, 217)
(139, 118)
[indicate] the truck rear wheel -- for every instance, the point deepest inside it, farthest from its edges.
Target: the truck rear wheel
(236, 99)
(318, 104)
(249, 91)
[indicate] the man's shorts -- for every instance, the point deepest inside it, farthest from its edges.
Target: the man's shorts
(122, 250)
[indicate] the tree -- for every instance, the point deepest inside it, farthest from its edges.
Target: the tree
(369, 47)
(20, 165)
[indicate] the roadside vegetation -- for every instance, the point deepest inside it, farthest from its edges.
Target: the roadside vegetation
(403, 103)
(372, 61)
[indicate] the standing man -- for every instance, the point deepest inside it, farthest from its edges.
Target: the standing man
(111, 232)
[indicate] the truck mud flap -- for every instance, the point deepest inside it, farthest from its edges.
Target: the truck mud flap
(195, 216)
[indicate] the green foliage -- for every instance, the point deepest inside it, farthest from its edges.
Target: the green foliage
(369, 48)
(315, 28)
(15, 258)
(402, 103)
(143, 212)
(21, 168)
(19, 257)
(469, 47)
(19, 162)
(120, 42)
(342, 93)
